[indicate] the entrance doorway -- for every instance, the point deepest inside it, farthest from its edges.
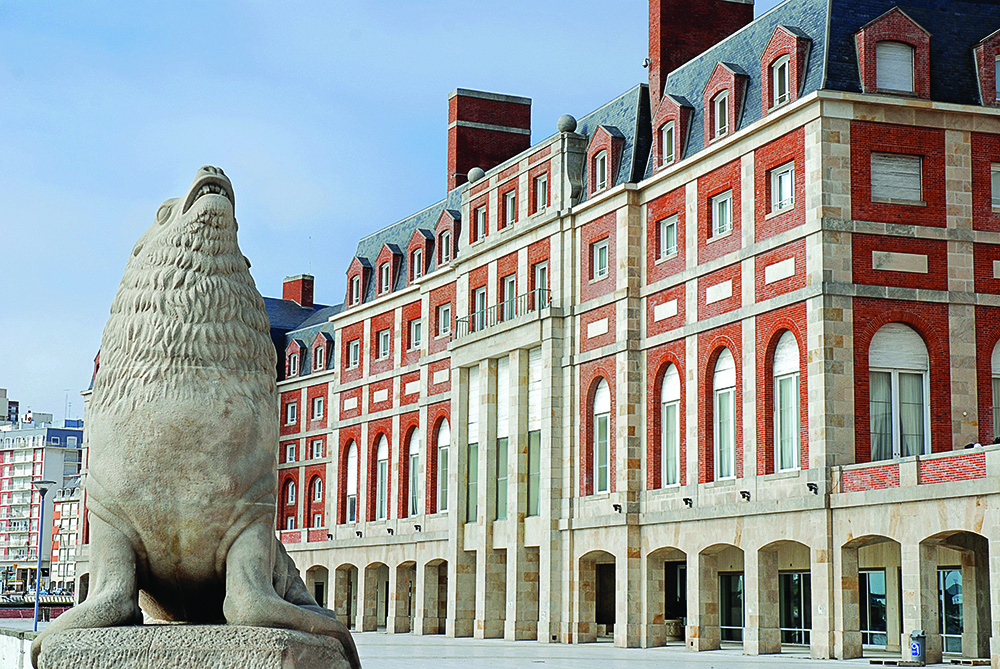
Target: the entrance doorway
(873, 608)
(731, 619)
(795, 594)
(675, 591)
(605, 602)
(950, 608)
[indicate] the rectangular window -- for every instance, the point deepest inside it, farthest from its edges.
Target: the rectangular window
(668, 237)
(894, 66)
(996, 75)
(721, 109)
(317, 448)
(353, 353)
(293, 364)
(290, 523)
(383, 344)
(599, 259)
(541, 285)
(601, 171)
(509, 207)
(896, 177)
(352, 508)
(872, 596)
(317, 520)
(781, 71)
(602, 455)
(722, 214)
(534, 471)
(667, 144)
(418, 263)
(478, 223)
(444, 319)
(472, 484)
(319, 358)
(416, 330)
(782, 187)
(385, 271)
(507, 304)
(291, 413)
(786, 421)
(996, 407)
(290, 453)
(414, 483)
(502, 478)
(950, 613)
(382, 490)
(317, 407)
(445, 246)
(995, 184)
(725, 453)
(355, 289)
(541, 192)
(479, 303)
(442, 481)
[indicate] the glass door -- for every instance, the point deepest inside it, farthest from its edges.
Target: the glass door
(731, 606)
(950, 608)
(873, 619)
(795, 595)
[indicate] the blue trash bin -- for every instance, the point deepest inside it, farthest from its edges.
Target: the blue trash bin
(918, 645)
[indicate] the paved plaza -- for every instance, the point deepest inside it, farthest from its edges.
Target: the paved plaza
(382, 651)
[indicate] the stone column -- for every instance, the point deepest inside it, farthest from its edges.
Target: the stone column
(994, 590)
(628, 593)
(491, 565)
(761, 635)
(822, 578)
(847, 606)
(368, 599)
(703, 631)
(893, 604)
(421, 603)
(653, 629)
(342, 596)
(401, 579)
(975, 604)
(461, 606)
(586, 601)
(920, 599)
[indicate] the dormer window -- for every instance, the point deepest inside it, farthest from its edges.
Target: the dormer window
(720, 113)
(384, 272)
(319, 358)
(780, 73)
(417, 260)
(355, 289)
(894, 67)
(293, 364)
(601, 171)
(667, 144)
(445, 244)
(996, 77)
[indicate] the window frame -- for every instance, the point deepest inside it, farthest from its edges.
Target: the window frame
(416, 333)
(385, 277)
(601, 426)
(995, 185)
(600, 266)
(887, 196)
(384, 343)
(355, 289)
(444, 319)
(317, 495)
(718, 395)
(318, 407)
(720, 103)
(600, 171)
(478, 223)
(796, 409)
(319, 358)
(443, 466)
(663, 225)
(509, 200)
(716, 230)
(351, 485)
(781, 64)
(444, 242)
(913, 74)
(780, 205)
(353, 353)
(290, 494)
(290, 450)
(667, 147)
(317, 449)
(540, 188)
(508, 297)
(417, 263)
(291, 413)
(293, 364)
(665, 405)
(915, 362)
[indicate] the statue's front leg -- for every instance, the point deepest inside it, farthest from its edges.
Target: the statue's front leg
(114, 595)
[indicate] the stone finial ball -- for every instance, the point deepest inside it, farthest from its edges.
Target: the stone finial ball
(566, 123)
(475, 174)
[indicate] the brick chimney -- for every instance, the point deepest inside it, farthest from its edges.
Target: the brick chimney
(679, 30)
(299, 289)
(484, 129)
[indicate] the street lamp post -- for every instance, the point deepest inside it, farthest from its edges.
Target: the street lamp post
(42, 487)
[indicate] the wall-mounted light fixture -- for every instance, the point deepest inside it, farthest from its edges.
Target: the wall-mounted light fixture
(389, 530)
(617, 507)
(813, 488)
(688, 502)
(745, 494)
(417, 527)
(358, 532)
(329, 537)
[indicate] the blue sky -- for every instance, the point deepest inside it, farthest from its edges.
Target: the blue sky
(330, 119)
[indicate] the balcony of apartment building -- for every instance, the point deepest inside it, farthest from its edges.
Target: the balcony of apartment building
(510, 323)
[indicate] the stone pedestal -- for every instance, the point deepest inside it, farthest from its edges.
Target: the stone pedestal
(182, 646)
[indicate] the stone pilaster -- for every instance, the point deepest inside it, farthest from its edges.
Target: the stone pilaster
(920, 599)
(760, 596)
(703, 631)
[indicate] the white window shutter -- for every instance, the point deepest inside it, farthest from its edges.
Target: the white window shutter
(894, 66)
(602, 398)
(671, 389)
(995, 362)
(898, 346)
(786, 355)
(896, 177)
(725, 371)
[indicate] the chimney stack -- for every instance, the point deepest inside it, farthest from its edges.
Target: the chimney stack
(679, 30)
(299, 289)
(484, 129)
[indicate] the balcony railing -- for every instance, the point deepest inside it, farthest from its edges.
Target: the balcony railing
(505, 311)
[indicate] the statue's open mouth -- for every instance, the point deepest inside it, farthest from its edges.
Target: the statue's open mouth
(208, 185)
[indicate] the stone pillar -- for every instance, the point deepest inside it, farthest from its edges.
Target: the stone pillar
(994, 590)
(422, 605)
(703, 631)
(368, 599)
(822, 577)
(847, 606)
(893, 604)
(628, 593)
(461, 595)
(401, 579)
(653, 629)
(920, 599)
(461, 606)
(342, 596)
(761, 635)
(975, 604)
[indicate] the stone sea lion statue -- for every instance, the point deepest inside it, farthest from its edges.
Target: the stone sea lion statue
(182, 482)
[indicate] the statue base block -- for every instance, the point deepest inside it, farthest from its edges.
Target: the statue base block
(177, 646)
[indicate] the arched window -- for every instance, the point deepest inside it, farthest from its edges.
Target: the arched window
(781, 83)
(293, 364)
(382, 479)
(602, 436)
(317, 489)
(290, 492)
(670, 403)
(319, 358)
(443, 442)
(414, 465)
(724, 415)
(898, 386)
(786, 403)
(352, 483)
(600, 171)
(995, 367)
(894, 66)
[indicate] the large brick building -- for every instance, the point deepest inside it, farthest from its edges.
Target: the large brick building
(716, 362)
